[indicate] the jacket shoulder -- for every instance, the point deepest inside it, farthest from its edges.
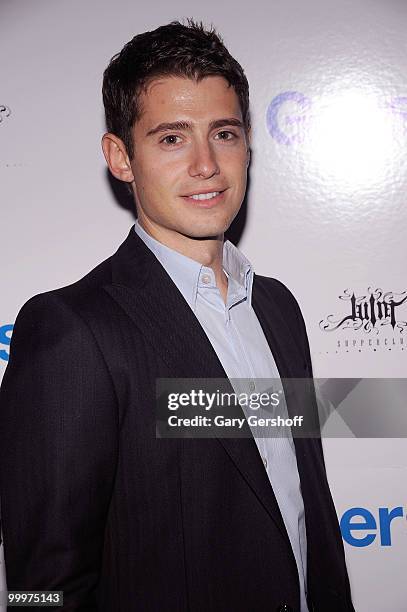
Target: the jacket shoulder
(83, 291)
(274, 289)
(274, 292)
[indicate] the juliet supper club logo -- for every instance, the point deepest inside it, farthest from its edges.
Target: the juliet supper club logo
(376, 319)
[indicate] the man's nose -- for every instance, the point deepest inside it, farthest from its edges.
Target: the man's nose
(203, 161)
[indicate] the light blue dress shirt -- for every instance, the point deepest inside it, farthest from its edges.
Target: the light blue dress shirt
(239, 342)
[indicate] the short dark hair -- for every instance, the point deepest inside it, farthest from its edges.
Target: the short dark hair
(174, 49)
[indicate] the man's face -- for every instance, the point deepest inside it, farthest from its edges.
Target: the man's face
(189, 142)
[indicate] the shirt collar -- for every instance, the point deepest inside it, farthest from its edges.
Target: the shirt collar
(186, 272)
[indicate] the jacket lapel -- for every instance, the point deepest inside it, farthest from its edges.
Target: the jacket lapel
(144, 290)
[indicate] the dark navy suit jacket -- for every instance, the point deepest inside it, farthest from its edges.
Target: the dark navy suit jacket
(94, 505)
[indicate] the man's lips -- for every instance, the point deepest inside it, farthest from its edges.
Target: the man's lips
(204, 191)
(206, 202)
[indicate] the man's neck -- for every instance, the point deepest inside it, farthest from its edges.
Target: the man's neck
(206, 251)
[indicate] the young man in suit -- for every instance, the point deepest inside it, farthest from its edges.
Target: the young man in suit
(95, 505)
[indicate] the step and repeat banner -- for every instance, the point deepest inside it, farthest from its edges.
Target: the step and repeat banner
(325, 210)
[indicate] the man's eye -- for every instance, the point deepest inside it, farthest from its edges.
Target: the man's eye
(225, 135)
(172, 139)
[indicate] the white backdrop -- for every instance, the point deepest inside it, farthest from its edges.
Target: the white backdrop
(325, 210)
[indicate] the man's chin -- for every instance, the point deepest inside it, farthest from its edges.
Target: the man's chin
(206, 233)
(205, 229)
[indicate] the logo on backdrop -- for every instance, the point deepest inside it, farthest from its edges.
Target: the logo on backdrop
(5, 338)
(288, 128)
(4, 112)
(289, 113)
(373, 319)
(360, 527)
(369, 312)
(398, 106)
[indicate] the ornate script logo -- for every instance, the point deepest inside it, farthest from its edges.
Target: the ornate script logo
(4, 112)
(369, 312)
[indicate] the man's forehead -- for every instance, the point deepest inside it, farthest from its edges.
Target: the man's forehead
(209, 99)
(183, 81)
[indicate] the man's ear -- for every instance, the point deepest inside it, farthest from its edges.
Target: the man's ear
(116, 157)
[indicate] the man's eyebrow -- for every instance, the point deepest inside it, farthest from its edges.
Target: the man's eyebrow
(184, 125)
(218, 123)
(168, 127)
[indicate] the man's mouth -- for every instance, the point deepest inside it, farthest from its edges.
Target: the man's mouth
(206, 197)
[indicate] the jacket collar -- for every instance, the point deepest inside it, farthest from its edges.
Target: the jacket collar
(186, 272)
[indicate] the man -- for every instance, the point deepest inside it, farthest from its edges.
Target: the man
(95, 505)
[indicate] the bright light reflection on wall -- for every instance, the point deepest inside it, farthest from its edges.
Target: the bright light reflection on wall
(351, 139)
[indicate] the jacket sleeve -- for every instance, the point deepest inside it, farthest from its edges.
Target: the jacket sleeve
(58, 453)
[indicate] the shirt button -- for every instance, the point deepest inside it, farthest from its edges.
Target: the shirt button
(252, 385)
(206, 279)
(265, 462)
